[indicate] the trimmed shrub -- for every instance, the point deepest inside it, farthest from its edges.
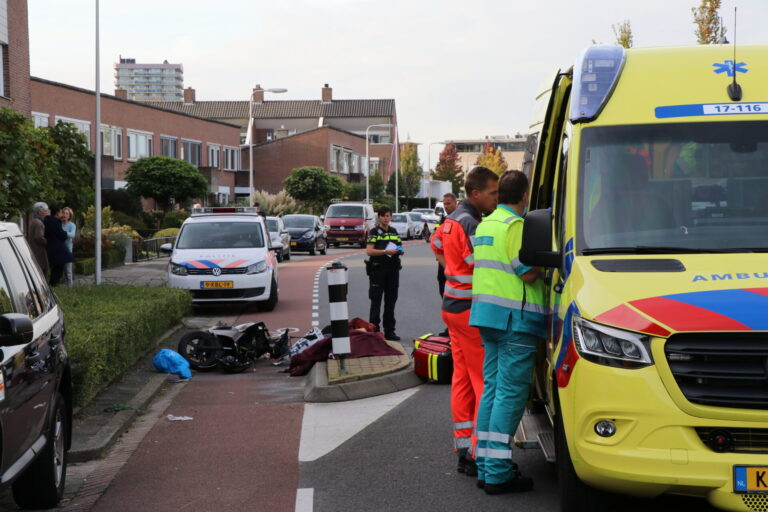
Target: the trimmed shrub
(109, 258)
(109, 327)
(123, 202)
(174, 219)
(126, 220)
(166, 232)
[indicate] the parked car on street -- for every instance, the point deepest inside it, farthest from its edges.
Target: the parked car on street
(404, 225)
(349, 223)
(280, 236)
(35, 381)
(224, 255)
(418, 222)
(307, 233)
(429, 217)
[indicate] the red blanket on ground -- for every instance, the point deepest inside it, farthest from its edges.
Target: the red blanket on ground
(362, 344)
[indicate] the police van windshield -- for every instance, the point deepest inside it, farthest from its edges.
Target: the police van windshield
(220, 235)
(342, 211)
(693, 187)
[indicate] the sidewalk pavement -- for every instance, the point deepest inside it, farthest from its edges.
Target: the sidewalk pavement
(112, 411)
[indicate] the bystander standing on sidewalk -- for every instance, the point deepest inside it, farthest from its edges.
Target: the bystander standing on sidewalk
(36, 235)
(58, 254)
(508, 308)
(70, 227)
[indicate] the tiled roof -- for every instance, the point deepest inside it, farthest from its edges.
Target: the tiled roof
(283, 109)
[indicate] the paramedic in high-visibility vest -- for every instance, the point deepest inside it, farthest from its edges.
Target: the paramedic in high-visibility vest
(508, 308)
(455, 255)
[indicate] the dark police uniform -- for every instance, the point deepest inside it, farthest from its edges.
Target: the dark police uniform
(384, 274)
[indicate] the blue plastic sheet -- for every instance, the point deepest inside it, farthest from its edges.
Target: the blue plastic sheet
(168, 361)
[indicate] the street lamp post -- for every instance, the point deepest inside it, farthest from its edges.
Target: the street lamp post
(97, 166)
(249, 141)
(429, 162)
(367, 159)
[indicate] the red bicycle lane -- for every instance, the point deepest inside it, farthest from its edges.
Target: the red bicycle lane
(240, 450)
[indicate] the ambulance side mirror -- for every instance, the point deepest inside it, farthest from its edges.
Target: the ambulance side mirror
(536, 250)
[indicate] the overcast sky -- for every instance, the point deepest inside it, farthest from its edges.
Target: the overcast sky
(457, 69)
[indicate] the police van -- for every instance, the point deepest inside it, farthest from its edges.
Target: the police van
(649, 199)
(225, 254)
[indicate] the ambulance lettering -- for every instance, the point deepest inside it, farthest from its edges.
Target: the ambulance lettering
(729, 277)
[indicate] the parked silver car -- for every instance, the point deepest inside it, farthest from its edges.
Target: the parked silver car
(404, 225)
(278, 233)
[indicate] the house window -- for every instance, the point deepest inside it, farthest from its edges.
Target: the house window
(375, 163)
(190, 151)
(231, 159)
(169, 146)
(83, 127)
(112, 141)
(3, 60)
(337, 159)
(139, 145)
(213, 155)
(375, 138)
(41, 120)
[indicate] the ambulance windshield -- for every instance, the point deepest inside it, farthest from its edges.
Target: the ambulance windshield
(685, 187)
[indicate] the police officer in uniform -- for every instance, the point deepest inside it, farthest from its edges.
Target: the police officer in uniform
(384, 248)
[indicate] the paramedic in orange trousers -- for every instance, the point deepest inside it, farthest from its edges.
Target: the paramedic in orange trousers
(453, 249)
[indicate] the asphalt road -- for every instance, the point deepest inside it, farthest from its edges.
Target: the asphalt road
(404, 460)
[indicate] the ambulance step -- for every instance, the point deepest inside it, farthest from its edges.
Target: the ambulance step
(535, 431)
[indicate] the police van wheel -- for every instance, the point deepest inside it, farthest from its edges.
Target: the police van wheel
(575, 495)
(271, 302)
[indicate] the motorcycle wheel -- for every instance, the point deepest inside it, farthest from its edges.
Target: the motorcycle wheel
(201, 349)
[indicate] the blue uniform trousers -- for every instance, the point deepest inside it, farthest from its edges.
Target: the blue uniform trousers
(507, 371)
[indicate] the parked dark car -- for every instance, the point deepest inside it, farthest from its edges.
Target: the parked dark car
(307, 233)
(278, 233)
(35, 381)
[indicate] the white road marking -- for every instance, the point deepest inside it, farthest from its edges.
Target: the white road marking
(315, 315)
(305, 499)
(326, 426)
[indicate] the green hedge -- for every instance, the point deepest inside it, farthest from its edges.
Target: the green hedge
(111, 258)
(109, 327)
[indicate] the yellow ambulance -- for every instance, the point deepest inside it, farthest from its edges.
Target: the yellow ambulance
(649, 208)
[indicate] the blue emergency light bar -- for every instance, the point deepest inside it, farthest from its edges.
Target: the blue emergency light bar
(594, 78)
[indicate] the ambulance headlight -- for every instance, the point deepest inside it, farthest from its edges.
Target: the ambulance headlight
(178, 270)
(257, 268)
(610, 346)
(594, 78)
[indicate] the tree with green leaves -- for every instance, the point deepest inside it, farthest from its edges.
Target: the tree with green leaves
(449, 169)
(492, 159)
(409, 179)
(623, 33)
(164, 178)
(709, 24)
(72, 178)
(27, 157)
(313, 186)
(375, 185)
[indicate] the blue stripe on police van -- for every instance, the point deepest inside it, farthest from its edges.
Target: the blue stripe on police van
(710, 109)
(743, 306)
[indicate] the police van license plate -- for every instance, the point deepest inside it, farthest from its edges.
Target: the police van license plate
(750, 479)
(216, 284)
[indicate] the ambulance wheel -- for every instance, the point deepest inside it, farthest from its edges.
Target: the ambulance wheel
(271, 302)
(575, 495)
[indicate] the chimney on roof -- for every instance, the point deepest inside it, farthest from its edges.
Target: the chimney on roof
(121, 93)
(258, 94)
(189, 95)
(327, 94)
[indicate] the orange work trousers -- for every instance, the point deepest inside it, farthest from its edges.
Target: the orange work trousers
(467, 383)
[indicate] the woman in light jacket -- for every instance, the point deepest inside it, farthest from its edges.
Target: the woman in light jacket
(70, 227)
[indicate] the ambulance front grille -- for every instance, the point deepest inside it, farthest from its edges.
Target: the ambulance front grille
(756, 502)
(721, 369)
(743, 440)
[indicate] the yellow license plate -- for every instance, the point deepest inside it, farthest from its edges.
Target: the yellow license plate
(216, 284)
(342, 238)
(293, 244)
(750, 479)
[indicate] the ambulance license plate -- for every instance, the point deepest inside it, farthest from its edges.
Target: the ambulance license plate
(342, 238)
(216, 284)
(750, 479)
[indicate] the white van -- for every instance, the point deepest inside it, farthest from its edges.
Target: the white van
(225, 255)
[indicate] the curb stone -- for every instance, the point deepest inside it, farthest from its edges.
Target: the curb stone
(317, 389)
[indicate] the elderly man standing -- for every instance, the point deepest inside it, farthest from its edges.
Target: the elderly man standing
(36, 235)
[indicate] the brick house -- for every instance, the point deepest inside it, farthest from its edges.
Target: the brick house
(14, 56)
(287, 134)
(131, 130)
